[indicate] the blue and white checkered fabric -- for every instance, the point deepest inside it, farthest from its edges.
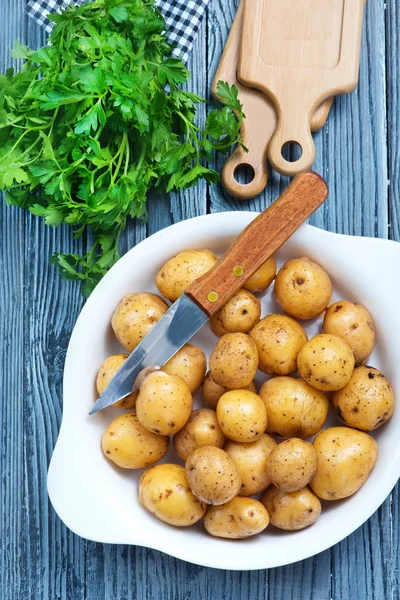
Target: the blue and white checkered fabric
(182, 18)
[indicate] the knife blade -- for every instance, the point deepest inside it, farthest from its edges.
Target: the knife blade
(181, 321)
(206, 295)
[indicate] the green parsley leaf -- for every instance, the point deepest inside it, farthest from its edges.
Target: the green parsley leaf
(97, 119)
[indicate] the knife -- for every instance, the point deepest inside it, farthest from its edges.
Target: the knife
(205, 296)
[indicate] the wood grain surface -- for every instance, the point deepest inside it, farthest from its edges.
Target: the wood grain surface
(40, 559)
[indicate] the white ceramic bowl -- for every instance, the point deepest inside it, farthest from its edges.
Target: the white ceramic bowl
(99, 502)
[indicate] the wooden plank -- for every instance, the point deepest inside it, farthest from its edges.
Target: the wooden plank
(129, 572)
(12, 327)
(53, 556)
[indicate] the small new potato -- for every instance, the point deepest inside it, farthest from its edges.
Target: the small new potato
(190, 364)
(164, 404)
(292, 464)
(367, 401)
(279, 340)
(238, 518)
(239, 314)
(212, 392)
(291, 510)
(202, 429)
(108, 369)
(181, 270)
(212, 475)
(251, 461)
(234, 361)
(346, 458)
(294, 408)
(130, 446)
(326, 362)
(135, 315)
(353, 323)
(262, 278)
(164, 491)
(242, 415)
(303, 288)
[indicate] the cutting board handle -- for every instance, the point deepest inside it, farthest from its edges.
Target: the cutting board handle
(257, 161)
(258, 242)
(293, 127)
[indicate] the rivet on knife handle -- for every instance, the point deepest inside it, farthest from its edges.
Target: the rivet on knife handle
(264, 236)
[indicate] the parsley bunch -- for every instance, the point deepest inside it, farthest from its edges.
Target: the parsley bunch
(98, 118)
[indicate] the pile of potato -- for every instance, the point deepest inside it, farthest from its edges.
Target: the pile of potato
(248, 441)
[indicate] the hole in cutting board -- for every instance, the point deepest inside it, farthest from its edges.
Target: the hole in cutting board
(244, 174)
(291, 151)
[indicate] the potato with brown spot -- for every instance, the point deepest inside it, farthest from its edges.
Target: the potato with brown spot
(202, 429)
(237, 519)
(164, 491)
(182, 270)
(212, 475)
(291, 510)
(135, 316)
(346, 458)
(212, 392)
(353, 323)
(107, 371)
(242, 415)
(234, 361)
(292, 464)
(279, 340)
(238, 315)
(262, 278)
(294, 408)
(303, 288)
(326, 362)
(367, 401)
(251, 461)
(130, 446)
(190, 364)
(164, 404)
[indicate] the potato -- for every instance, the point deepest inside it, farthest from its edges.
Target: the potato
(164, 404)
(242, 415)
(251, 461)
(292, 464)
(262, 278)
(234, 361)
(213, 476)
(367, 401)
(279, 340)
(326, 362)
(130, 446)
(135, 315)
(190, 364)
(346, 457)
(239, 314)
(181, 270)
(238, 518)
(108, 369)
(353, 323)
(212, 392)
(294, 408)
(164, 491)
(202, 429)
(291, 510)
(303, 288)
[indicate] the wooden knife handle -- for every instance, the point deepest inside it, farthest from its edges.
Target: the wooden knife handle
(259, 241)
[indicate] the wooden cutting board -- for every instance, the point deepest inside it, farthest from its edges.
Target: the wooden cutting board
(299, 53)
(259, 125)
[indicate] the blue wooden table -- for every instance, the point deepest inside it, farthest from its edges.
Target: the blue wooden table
(40, 559)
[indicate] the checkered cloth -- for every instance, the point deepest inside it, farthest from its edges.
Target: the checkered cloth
(182, 18)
